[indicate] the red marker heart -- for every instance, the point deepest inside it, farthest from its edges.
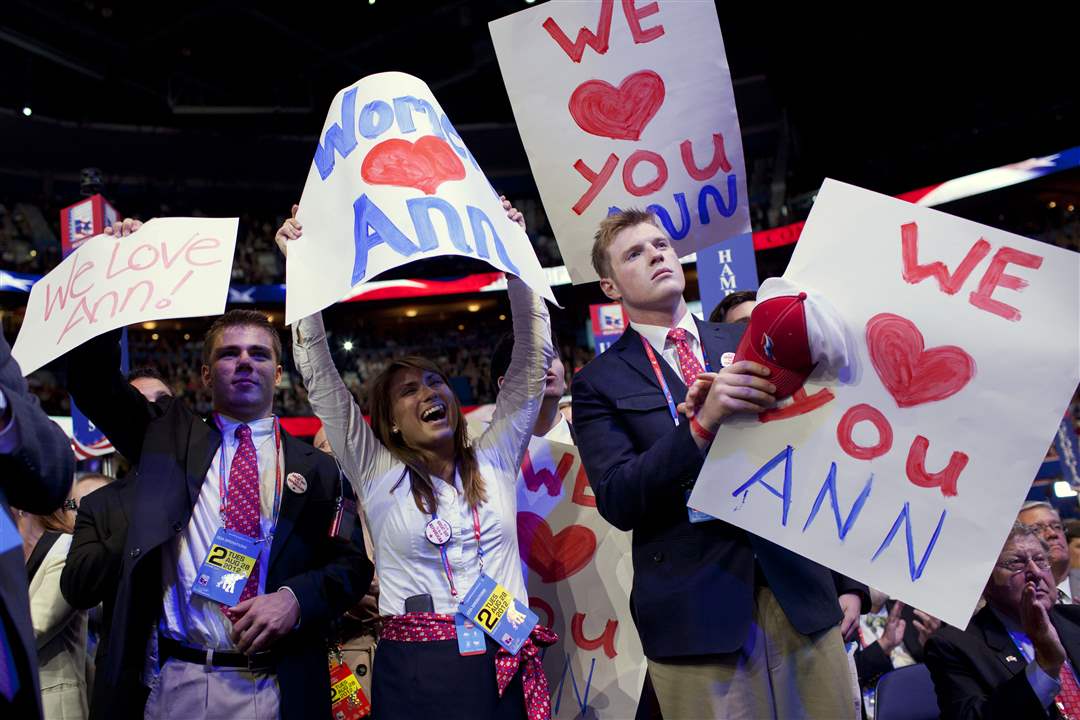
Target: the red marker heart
(424, 165)
(912, 374)
(554, 557)
(599, 108)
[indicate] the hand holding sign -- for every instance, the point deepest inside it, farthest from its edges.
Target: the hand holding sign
(128, 226)
(907, 470)
(289, 230)
(741, 387)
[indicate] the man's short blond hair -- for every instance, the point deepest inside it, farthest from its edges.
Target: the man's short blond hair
(611, 226)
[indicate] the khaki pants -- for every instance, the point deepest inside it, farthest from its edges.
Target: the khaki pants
(779, 673)
(186, 691)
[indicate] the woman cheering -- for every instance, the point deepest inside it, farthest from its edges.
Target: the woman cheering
(442, 511)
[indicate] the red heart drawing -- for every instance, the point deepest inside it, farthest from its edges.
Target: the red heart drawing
(599, 108)
(424, 165)
(912, 374)
(554, 557)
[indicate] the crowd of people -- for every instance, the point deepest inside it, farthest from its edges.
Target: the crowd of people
(30, 238)
(234, 570)
(411, 498)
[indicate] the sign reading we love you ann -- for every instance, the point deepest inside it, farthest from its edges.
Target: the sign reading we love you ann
(907, 472)
(626, 104)
(391, 182)
(578, 570)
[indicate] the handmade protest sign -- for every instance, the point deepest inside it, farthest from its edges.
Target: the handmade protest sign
(170, 268)
(907, 473)
(392, 182)
(625, 105)
(578, 571)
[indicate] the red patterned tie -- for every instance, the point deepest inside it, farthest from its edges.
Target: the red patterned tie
(1069, 697)
(688, 364)
(242, 499)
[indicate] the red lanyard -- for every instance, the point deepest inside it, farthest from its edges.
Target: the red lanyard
(660, 376)
(446, 559)
(223, 475)
(660, 379)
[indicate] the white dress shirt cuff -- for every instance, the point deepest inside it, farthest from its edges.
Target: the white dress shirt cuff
(297, 600)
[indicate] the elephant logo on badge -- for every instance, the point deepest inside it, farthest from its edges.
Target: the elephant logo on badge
(227, 582)
(514, 616)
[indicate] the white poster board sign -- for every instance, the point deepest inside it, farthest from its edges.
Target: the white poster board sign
(392, 182)
(578, 571)
(171, 268)
(626, 105)
(907, 473)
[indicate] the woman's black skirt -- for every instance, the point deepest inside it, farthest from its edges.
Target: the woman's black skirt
(432, 681)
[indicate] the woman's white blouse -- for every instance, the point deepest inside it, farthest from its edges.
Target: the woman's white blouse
(406, 563)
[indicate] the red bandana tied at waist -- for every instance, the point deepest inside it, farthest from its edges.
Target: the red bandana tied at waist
(429, 627)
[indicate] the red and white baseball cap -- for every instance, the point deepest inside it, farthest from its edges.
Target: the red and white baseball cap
(793, 331)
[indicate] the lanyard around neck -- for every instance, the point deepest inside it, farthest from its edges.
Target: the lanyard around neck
(660, 375)
(223, 476)
(446, 559)
(660, 379)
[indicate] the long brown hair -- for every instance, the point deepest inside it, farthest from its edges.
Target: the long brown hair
(382, 422)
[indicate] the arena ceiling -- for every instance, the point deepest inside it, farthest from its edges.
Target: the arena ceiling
(231, 92)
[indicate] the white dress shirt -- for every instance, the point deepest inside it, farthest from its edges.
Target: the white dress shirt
(193, 619)
(657, 337)
(560, 433)
(406, 563)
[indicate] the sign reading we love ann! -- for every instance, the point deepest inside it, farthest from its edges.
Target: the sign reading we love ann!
(907, 473)
(392, 182)
(170, 268)
(626, 104)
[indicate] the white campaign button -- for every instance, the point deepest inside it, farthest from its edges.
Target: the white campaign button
(438, 531)
(726, 359)
(296, 483)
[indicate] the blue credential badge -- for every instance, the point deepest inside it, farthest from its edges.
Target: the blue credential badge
(498, 613)
(227, 567)
(470, 639)
(696, 516)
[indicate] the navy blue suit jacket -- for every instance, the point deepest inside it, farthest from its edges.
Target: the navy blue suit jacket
(36, 478)
(693, 588)
(171, 450)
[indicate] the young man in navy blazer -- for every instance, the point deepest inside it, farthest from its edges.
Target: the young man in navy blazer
(172, 652)
(732, 624)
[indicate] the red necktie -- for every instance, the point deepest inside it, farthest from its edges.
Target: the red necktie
(1069, 697)
(242, 499)
(688, 364)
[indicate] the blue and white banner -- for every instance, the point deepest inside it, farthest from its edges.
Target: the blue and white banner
(724, 268)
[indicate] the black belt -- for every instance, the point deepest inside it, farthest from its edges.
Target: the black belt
(169, 648)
